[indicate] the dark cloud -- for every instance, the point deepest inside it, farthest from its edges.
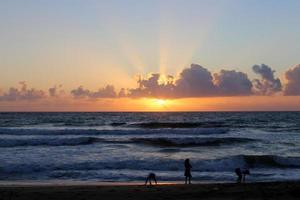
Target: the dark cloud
(232, 83)
(150, 87)
(55, 91)
(292, 87)
(122, 93)
(268, 84)
(106, 92)
(22, 93)
(195, 81)
(80, 92)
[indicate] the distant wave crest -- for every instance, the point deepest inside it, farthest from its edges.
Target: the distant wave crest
(155, 125)
(48, 141)
(190, 141)
(196, 131)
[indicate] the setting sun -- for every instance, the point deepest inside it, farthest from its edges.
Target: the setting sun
(160, 102)
(153, 104)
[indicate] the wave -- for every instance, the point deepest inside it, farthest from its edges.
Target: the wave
(154, 125)
(210, 165)
(117, 124)
(271, 161)
(49, 141)
(189, 141)
(82, 131)
(154, 141)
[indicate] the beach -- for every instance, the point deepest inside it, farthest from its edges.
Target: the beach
(266, 190)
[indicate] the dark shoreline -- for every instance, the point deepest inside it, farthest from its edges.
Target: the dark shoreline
(264, 190)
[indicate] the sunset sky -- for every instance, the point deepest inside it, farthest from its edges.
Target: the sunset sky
(149, 55)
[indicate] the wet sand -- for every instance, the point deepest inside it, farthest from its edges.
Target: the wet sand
(271, 190)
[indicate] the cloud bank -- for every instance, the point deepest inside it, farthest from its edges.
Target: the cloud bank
(106, 92)
(194, 81)
(197, 81)
(56, 91)
(22, 93)
(292, 88)
(268, 84)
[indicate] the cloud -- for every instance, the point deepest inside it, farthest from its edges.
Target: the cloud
(150, 87)
(55, 91)
(232, 83)
(105, 92)
(192, 82)
(268, 84)
(195, 81)
(80, 92)
(122, 93)
(292, 87)
(22, 93)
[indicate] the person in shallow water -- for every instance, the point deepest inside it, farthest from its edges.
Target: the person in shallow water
(187, 172)
(151, 176)
(241, 175)
(245, 172)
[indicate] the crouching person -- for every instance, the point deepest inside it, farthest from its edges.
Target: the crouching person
(151, 176)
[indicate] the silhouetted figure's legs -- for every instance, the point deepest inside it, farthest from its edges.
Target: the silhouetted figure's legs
(188, 179)
(187, 172)
(150, 177)
(245, 172)
(239, 173)
(239, 179)
(146, 180)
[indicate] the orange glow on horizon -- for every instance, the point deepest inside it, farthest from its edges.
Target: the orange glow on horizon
(159, 103)
(250, 103)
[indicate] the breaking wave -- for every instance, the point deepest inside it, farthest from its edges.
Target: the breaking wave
(48, 141)
(24, 131)
(189, 141)
(212, 165)
(155, 125)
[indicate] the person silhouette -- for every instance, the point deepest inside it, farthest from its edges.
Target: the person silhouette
(187, 172)
(245, 172)
(238, 172)
(151, 176)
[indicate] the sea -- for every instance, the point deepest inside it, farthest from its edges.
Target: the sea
(126, 147)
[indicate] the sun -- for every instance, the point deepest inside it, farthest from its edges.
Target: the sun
(160, 102)
(156, 104)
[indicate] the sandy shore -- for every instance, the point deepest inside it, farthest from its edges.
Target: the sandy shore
(274, 190)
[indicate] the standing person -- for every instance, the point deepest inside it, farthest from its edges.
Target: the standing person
(187, 172)
(239, 174)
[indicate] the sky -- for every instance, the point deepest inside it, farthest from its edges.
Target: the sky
(149, 55)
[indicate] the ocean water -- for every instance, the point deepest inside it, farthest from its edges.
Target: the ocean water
(116, 147)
